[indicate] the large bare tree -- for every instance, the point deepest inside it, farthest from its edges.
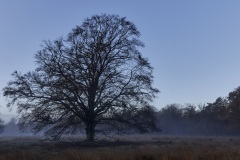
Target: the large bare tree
(93, 76)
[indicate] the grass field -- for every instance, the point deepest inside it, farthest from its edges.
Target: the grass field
(132, 147)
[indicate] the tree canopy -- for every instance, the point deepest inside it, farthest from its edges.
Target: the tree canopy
(89, 78)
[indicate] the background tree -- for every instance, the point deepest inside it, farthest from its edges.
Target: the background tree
(91, 77)
(214, 117)
(210, 119)
(234, 110)
(173, 111)
(1, 126)
(11, 128)
(171, 119)
(189, 111)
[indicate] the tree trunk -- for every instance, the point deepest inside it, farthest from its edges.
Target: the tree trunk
(90, 132)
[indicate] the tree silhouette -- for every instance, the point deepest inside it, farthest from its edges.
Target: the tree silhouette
(91, 77)
(1, 126)
(234, 109)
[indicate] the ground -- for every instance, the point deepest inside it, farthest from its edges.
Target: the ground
(131, 147)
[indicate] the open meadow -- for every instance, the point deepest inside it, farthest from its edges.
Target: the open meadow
(130, 147)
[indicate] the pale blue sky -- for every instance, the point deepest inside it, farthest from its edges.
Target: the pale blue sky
(193, 45)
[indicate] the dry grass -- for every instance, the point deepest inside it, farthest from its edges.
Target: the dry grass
(154, 148)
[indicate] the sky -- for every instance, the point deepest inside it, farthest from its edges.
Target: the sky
(194, 46)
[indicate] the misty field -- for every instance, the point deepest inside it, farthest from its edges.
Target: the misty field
(131, 147)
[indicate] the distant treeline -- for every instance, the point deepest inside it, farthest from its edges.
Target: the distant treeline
(221, 117)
